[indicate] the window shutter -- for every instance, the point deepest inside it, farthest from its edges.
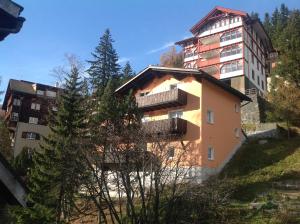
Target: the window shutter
(24, 134)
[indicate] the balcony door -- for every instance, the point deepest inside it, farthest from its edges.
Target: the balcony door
(175, 114)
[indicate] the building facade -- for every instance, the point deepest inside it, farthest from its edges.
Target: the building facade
(193, 107)
(27, 106)
(231, 46)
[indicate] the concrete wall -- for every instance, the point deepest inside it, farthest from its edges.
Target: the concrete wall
(20, 142)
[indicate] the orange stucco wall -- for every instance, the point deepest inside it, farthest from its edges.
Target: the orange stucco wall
(201, 96)
(221, 134)
(191, 112)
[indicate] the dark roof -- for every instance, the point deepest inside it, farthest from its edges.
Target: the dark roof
(147, 74)
(22, 86)
(10, 20)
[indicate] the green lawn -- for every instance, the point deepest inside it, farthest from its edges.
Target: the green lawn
(253, 171)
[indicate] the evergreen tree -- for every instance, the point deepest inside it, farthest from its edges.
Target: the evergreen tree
(54, 178)
(127, 73)
(254, 15)
(104, 65)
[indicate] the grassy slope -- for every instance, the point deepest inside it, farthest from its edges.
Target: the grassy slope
(255, 168)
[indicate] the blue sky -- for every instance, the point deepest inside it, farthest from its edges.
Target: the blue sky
(142, 30)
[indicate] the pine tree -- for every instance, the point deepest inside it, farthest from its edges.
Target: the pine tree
(127, 73)
(54, 178)
(104, 65)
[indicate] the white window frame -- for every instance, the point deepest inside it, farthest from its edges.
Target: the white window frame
(171, 152)
(237, 132)
(17, 102)
(33, 120)
(35, 106)
(237, 108)
(50, 93)
(40, 92)
(210, 116)
(14, 116)
(31, 135)
(210, 153)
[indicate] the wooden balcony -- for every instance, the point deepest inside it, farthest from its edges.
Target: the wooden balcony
(171, 126)
(171, 98)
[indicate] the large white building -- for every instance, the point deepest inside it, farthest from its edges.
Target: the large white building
(231, 46)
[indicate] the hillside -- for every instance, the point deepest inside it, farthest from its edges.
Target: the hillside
(266, 181)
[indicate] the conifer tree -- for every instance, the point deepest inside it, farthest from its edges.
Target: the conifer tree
(104, 65)
(54, 178)
(127, 72)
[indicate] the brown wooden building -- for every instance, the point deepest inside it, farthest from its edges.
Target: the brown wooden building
(27, 106)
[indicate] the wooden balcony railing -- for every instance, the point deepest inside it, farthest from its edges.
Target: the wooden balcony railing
(176, 126)
(171, 98)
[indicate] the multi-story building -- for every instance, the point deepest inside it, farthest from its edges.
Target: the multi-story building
(231, 46)
(27, 105)
(193, 107)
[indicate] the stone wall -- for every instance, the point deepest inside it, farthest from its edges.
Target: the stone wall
(254, 112)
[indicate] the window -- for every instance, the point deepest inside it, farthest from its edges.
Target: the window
(231, 67)
(257, 65)
(262, 85)
(14, 116)
(252, 43)
(252, 58)
(50, 93)
(35, 106)
(31, 135)
(210, 117)
(175, 114)
(237, 132)
(258, 80)
(231, 51)
(253, 75)
(237, 108)
(211, 153)
(40, 92)
(33, 120)
(144, 93)
(231, 35)
(262, 69)
(189, 54)
(170, 152)
(17, 102)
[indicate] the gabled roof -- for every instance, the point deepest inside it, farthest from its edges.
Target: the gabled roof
(205, 19)
(148, 73)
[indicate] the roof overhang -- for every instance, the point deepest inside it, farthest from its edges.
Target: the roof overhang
(153, 71)
(186, 40)
(206, 19)
(10, 21)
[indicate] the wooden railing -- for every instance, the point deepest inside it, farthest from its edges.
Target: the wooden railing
(173, 97)
(175, 126)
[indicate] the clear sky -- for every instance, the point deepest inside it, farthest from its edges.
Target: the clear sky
(142, 30)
